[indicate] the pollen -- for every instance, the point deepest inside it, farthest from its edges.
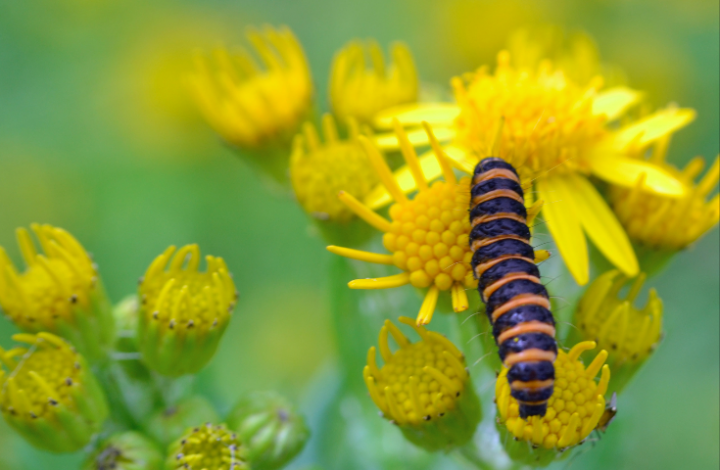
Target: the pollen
(419, 382)
(574, 409)
(208, 446)
(41, 376)
(429, 236)
(360, 90)
(251, 105)
(630, 334)
(179, 297)
(544, 119)
(320, 170)
(54, 284)
(665, 223)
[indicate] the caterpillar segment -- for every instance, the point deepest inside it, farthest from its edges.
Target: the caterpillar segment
(516, 302)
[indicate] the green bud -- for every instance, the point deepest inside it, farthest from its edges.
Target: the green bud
(183, 312)
(125, 314)
(59, 292)
(273, 432)
(49, 395)
(125, 451)
(167, 425)
(207, 447)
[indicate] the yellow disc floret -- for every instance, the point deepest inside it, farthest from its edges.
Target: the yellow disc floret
(574, 409)
(320, 170)
(548, 120)
(250, 106)
(184, 298)
(664, 223)
(360, 91)
(420, 381)
(54, 284)
(207, 447)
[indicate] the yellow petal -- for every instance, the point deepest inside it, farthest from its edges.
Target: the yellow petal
(601, 225)
(416, 136)
(388, 282)
(625, 171)
(560, 216)
(442, 114)
(614, 102)
(653, 127)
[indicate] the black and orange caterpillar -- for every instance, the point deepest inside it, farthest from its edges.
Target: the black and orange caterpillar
(517, 304)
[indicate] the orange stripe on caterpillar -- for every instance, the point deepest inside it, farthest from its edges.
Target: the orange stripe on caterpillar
(529, 355)
(477, 244)
(508, 278)
(481, 268)
(498, 193)
(528, 327)
(522, 299)
(495, 173)
(503, 215)
(532, 385)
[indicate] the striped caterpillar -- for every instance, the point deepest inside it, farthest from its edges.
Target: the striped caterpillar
(517, 304)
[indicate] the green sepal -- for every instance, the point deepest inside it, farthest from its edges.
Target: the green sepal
(167, 425)
(525, 453)
(125, 451)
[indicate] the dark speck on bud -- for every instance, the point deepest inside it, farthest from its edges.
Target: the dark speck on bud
(69, 382)
(190, 324)
(155, 315)
(73, 299)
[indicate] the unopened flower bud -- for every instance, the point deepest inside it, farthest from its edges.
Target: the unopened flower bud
(423, 388)
(49, 395)
(125, 451)
(273, 432)
(208, 446)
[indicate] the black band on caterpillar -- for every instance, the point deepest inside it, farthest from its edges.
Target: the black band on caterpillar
(517, 304)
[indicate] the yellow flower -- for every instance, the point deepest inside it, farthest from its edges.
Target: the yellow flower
(319, 170)
(207, 447)
(247, 105)
(630, 334)
(574, 409)
(59, 291)
(360, 90)
(556, 133)
(49, 395)
(184, 312)
(423, 387)
(664, 223)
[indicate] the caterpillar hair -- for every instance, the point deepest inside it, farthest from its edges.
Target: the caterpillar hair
(517, 304)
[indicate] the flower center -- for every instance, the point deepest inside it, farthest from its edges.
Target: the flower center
(548, 119)
(209, 446)
(429, 236)
(574, 408)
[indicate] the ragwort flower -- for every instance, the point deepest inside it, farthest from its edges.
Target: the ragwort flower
(423, 387)
(208, 446)
(360, 91)
(184, 312)
(251, 107)
(556, 133)
(574, 409)
(49, 395)
(59, 291)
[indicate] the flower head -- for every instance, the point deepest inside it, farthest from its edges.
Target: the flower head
(319, 170)
(664, 223)
(270, 428)
(574, 409)
(128, 450)
(427, 235)
(423, 387)
(250, 106)
(183, 312)
(59, 291)
(555, 132)
(49, 394)
(207, 446)
(630, 334)
(360, 90)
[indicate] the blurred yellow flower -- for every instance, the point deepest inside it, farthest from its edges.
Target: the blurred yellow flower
(184, 312)
(555, 132)
(574, 409)
(360, 90)
(423, 387)
(320, 170)
(208, 446)
(665, 223)
(251, 106)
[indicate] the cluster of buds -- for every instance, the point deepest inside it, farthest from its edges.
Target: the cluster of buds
(59, 291)
(183, 312)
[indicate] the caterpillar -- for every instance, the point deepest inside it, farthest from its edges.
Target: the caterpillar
(516, 303)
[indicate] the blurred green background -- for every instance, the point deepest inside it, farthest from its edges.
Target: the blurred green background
(98, 136)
